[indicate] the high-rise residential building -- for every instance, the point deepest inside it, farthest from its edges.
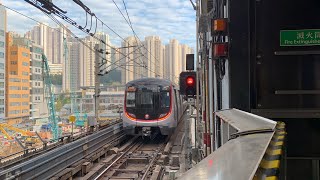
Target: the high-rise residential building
(167, 70)
(86, 58)
(51, 39)
(3, 30)
(59, 36)
(131, 61)
(71, 74)
(17, 78)
(153, 54)
(174, 60)
(163, 55)
(38, 108)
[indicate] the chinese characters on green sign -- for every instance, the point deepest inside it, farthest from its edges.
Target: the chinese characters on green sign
(304, 37)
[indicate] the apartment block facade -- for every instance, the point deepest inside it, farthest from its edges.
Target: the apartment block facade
(17, 78)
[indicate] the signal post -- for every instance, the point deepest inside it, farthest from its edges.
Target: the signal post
(188, 87)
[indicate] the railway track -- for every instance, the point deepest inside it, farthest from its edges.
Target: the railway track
(137, 160)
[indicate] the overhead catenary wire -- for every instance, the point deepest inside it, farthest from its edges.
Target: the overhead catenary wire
(61, 25)
(130, 24)
(69, 20)
(136, 36)
(77, 38)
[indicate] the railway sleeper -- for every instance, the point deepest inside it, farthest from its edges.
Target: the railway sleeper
(157, 173)
(138, 160)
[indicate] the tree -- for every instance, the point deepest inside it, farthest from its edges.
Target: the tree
(113, 76)
(56, 79)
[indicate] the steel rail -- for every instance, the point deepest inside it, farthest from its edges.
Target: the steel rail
(153, 161)
(116, 160)
(48, 164)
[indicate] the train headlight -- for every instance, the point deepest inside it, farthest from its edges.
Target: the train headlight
(131, 115)
(163, 115)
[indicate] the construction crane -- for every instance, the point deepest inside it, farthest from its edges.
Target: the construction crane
(50, 99)
(22, 132)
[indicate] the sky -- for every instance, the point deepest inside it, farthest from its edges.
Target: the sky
(169, 19)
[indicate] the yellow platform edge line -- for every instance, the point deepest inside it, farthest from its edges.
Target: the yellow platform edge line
(274, 152)
(274, 164)
(278, 143)
(271, 178)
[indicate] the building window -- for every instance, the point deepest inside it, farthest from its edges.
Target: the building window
(15, 96)
(1, 32)
(25, 88)
(1, 65)
(24, 54)
(1, 92)
(15, 104)
(13, 62)
(25, 104)
(25, 73)
(1, 84)
(1, 75)
(1, 110)
(25, 64)
(25, 95)
(13, 52)
(15, 80)
(25, 111)
(14, 112)
(1, 101)
(25, 80)
(15, 88)
(13, 72)
(1, 44)
(1, 55)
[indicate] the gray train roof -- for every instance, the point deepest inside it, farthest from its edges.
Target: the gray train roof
(149, 81)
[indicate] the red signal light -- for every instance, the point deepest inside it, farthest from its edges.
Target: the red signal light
(220, 50)
(190, 81)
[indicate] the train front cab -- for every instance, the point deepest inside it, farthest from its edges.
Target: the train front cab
(166, 124)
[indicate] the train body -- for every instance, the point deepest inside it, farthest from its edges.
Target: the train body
(151, 105)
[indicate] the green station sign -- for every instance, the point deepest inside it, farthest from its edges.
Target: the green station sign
(303, 37)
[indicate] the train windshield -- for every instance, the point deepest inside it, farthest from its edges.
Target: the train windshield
(165, 99)
(151, 100)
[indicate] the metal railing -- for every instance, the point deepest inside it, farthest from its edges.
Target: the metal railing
(246, 140)
(48, 164)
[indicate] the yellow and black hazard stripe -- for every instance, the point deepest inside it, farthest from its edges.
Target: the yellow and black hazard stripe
(270, 165)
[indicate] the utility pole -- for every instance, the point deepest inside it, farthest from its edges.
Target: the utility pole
(96, 88)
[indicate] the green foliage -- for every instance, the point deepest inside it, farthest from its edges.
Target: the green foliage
(111, 78)
(61, 101)
(56, 79)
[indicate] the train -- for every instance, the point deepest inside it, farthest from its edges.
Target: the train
(151, 106)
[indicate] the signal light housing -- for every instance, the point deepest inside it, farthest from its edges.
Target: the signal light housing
(219, 25)
(220, 50)
(187, 81)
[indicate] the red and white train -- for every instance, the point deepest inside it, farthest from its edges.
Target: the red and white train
(151, 105)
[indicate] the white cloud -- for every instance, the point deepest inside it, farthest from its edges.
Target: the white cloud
(168, 19)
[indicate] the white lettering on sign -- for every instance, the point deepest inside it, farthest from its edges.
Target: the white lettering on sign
(300, 35)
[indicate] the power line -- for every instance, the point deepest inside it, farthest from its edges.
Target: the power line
(51, 8)
(136, 36)
(77, 38)
(61, 25)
